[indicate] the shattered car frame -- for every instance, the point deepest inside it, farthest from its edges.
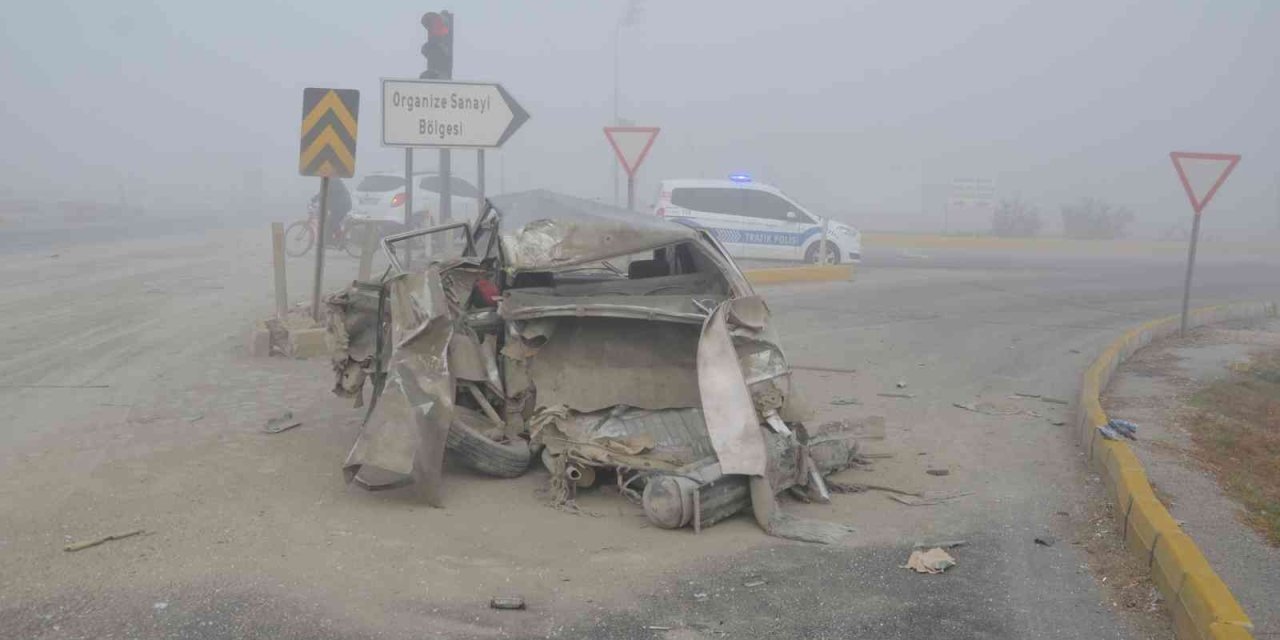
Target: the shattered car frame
(604, 343)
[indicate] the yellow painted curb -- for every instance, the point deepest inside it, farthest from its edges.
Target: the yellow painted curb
(1199, 601)
(810, 273)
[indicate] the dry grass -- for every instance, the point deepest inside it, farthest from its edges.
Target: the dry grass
(1236, 430)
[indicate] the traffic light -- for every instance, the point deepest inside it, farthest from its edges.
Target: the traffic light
(439, 47)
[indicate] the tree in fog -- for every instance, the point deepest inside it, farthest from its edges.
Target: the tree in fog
(1014, 218)
(1093, 218)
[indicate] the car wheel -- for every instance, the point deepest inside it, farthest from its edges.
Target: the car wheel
(814, 254)
(476, 451)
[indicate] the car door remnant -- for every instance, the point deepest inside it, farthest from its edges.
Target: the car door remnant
(605, 343)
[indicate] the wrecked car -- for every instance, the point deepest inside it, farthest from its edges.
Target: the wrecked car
(604, 345)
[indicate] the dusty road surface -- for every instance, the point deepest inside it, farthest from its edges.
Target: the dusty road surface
(130, 404)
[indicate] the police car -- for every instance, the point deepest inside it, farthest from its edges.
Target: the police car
(754, 220)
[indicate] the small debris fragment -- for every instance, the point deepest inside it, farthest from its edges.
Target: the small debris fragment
(902, 384)
(753, 583)
(932, 561)
(1074, 350)
(85, 544)
(1053, 400)
(654, 627)
(938, 472)
(845, 401)
(160, 606)
(282, 422)
(927, 499)
(896, 395)
(1124, 428)
(1108, 433)
(947, 544)
(700, 597)
(1026, 395)
(1057, 423)
(1046, 541)
(507, 603)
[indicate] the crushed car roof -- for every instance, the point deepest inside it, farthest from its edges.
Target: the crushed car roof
(543, 230)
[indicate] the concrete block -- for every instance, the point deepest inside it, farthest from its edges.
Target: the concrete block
(260, 341)
(309, 343)
(1220, 631)
(1175, 556)
(1205, 599)
(1148, 519)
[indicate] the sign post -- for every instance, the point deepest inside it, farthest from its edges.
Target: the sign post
(328, 150)
(631, 145)
(1201, 175)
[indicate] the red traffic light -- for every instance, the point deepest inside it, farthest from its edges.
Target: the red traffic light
(435, 24)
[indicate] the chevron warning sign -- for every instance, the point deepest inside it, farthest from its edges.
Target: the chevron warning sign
(329, 118)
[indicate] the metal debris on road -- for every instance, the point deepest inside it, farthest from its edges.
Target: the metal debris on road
(1026, 395)
(1057, 423)
(1108, 433)
(1053, 400)
(927, 499)
(938, 472)
(896, 395)
(932, 561)
(85, 544)
(902, 384)
(845, 401)
(946, 544)
(282, 422)
(753, 583)
(507, 603)
(1046, 541)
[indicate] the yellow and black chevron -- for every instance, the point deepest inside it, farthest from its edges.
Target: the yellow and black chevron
(329, 118)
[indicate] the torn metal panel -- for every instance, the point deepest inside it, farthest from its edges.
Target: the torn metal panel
(596, 363)
(403, 437)
(732, 422)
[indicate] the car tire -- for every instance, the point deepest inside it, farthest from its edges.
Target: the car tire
(477, 452)
(298, 238)
(815, 252)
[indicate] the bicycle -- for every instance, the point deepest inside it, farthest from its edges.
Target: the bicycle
(300, 237)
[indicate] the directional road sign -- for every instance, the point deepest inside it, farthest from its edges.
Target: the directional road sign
(329, 118)
(447, 114)
(1202, 173)
(631, 145)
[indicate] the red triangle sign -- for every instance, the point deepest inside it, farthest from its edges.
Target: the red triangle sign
(1202, 173)
(631, 144)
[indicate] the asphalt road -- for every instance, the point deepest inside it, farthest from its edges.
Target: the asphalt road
(253, 536)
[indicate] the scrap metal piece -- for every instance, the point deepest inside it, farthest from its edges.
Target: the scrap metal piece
(731, 417)
(403, 438)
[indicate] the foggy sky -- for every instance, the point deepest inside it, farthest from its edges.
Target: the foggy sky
(852, 108)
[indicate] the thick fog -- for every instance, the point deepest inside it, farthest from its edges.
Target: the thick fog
(863, 111)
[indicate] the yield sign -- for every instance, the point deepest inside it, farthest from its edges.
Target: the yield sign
(631, 144)
(1202, 174)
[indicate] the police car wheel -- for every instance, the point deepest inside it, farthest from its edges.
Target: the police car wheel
(813, 254)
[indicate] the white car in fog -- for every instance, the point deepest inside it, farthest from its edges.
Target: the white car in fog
(754, 220)
(379, 198)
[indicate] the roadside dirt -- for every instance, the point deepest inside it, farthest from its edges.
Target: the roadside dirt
(1209, 437)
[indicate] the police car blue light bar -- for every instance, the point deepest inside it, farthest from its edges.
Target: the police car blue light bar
(739, 177)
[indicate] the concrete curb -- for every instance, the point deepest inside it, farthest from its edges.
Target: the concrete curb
(808, 273)
(1200, 602)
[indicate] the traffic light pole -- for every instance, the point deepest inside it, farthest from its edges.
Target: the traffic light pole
(408, 201)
